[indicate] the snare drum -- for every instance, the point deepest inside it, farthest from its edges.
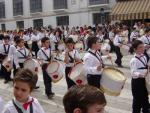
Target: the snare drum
(105, 49)
(55, 70)
(32, 64)
(79, 46)
(7, 64)
(148, 83)
(112, 81)
(61, 47)
(124, 49)
(77, 74)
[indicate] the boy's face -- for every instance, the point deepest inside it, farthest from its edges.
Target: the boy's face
(6, 41)
(96, 46)
(21, 91)
(96, 108)
(47, 43)
(21, 44)
(70, 46)
(140, 49)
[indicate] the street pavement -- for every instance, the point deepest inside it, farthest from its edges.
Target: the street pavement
(119, 104)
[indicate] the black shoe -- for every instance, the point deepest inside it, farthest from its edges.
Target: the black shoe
(120, 66)
(6, 81)
(37, 87)
(51, 95)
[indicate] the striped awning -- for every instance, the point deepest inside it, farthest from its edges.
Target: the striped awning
(130, 10)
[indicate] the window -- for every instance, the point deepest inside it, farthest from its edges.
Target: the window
(100, 18)
(38, 23)
(17, 7)
(62, 20)
(95, 2)
(3, 27)
(2, 9)
(20, 24)
(60, 4)
(35, 6)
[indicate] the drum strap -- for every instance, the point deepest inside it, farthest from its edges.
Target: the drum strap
(48, 58)
(148, 40)
(144, 63)
(23, 54)
(72, 59)
(99, 58)
(6, 50)
(19, 110)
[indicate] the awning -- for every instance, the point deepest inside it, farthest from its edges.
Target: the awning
(130, 10)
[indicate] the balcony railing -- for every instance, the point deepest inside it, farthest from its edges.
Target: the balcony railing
(98, 2)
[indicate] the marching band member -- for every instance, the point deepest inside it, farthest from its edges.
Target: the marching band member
(71, 56)
(21, 55)
(23, 102)
(45, 54)
(139, 70)
(93, 62)
(134, 35)
(146, 40)
(26, 38)
(8, 51)
(35, 38)
(118, 43)
(56, 39)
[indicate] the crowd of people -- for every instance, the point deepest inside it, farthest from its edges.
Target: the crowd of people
(45, 44)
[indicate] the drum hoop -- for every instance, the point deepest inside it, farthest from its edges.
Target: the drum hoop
(73, 67)
(30, 59)
(109, 92)
(56, 69)
(116, 70)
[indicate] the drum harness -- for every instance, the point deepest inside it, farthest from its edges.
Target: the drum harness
(144, 63)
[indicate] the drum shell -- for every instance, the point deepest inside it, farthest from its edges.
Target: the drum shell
(7, 63)
(148, 83)
(56, 75)
(32, 64)
(79, 46)
(110, 86)
(124, 49)
(77, 74)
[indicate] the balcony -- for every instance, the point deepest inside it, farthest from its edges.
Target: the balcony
(97, 3)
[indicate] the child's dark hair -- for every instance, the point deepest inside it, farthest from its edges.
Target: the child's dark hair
(6, 37)
(91, 40)
(44, 39)
(136, 43)
(69, 40)
(82, 97)
(19, 40)
(26, 75)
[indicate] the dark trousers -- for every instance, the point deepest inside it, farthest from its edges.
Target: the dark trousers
(70, 82)
(15, 69)
(47, 80)
(6, 74)
(112, 46)
(94, 80)
(56, 46)
(35, 48)
(140, 96)
(119, 56)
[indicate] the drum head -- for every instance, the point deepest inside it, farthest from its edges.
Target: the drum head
(52, 67)
(114, 74)
(32, 64)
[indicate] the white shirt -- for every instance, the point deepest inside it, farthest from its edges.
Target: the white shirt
(11, 52)
(91, 63)
(74, 54)
(117, 40)
(26, 38)
(133, 35)
(42, 56)
(34, 37)
(10, 108)
(100, 37)
(18, 57)
(135, 64)
(145, 39)
(111, 35)
(56, 39)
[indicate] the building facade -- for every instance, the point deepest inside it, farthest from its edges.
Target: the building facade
(34, 13)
